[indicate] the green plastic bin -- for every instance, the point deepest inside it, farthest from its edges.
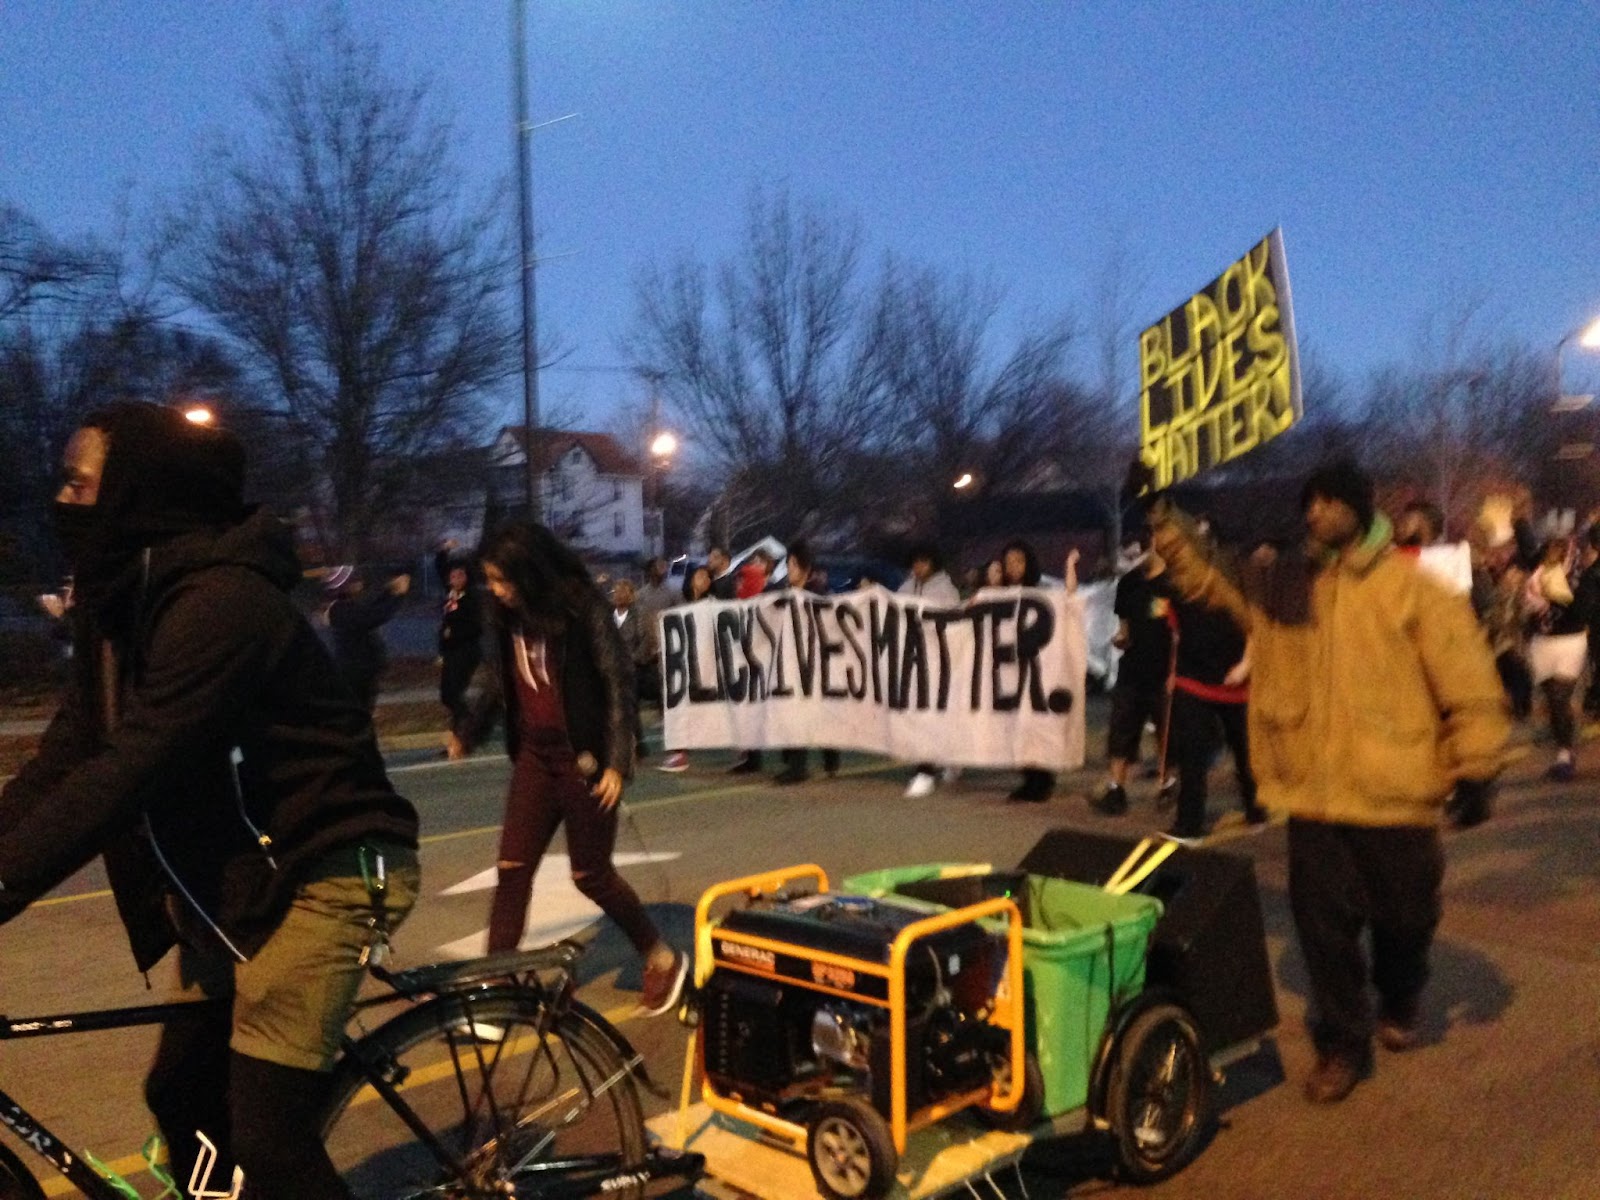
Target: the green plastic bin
(1083, 954)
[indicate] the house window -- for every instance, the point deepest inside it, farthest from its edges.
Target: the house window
(616, 493)
(616, 525)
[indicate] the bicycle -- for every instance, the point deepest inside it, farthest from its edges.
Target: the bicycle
(494, 1081)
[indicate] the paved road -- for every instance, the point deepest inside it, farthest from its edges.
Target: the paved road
(1500, 1102)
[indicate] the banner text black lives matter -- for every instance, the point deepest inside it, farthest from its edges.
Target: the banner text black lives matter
(1219, 375)
(997, 682)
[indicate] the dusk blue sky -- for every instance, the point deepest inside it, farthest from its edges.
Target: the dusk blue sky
(1417, 155)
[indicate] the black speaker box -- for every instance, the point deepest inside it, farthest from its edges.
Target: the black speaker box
(1209, 948)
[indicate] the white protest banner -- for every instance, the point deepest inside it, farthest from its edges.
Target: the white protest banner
(995, 683)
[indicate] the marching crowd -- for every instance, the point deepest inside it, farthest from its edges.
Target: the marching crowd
(225, 764)
(1358, 692)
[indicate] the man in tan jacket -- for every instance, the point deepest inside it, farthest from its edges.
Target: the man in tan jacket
(1374, 694)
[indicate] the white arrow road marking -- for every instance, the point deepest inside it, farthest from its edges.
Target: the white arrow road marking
(557, 910)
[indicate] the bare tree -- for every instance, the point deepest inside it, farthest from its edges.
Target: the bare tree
(1467, 414)
(337, 257)
(39, 272)
(948, 399)
(757, 359)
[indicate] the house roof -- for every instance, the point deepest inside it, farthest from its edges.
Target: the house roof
(553, 444)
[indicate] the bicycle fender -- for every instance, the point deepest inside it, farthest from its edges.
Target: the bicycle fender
(624, 1047)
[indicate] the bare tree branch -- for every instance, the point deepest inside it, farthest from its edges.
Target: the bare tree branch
(336, 256)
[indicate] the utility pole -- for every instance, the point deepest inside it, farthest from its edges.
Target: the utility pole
(530, 340)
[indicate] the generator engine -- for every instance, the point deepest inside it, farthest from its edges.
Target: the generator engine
(784, 1021)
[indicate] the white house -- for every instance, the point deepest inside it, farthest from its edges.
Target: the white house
(591, 490)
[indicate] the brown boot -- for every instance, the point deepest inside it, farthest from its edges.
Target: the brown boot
(1334, 1078)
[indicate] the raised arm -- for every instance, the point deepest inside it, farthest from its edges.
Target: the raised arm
(1192, 571)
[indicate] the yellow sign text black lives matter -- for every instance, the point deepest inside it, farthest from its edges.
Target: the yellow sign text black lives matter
(1219, 375)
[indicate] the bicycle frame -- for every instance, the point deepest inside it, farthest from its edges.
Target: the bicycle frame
(568, 1180)
(27, 1127)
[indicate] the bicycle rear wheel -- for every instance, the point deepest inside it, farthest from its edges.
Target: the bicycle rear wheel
(15, 1181)
(517, 1105)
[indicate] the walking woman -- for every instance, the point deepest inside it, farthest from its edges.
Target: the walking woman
(566, 687)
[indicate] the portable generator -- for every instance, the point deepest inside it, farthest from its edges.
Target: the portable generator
(827, 1018)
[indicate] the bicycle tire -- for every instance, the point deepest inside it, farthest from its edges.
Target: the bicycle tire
(508, 1109)
(16, 1182)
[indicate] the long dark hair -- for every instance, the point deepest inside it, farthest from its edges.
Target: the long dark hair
(689, 578)
(1031, 574)
(553, 586)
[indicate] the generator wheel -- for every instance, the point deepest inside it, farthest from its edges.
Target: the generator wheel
(1160, 1094)
(851, 1151)
(1029, 1109)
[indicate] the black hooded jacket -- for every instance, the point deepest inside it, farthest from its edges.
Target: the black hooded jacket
(205, 746)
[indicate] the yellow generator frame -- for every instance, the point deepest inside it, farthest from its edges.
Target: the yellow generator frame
(1007, 1012)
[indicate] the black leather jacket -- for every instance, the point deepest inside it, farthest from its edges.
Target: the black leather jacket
(597, 689)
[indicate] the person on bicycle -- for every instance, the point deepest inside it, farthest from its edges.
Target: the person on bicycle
(206, 747)
(566, 685)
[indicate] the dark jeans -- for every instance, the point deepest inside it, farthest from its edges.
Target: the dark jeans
(1196, 724)
(1344, 880)
(1517, 681)
(1036, 782)
(455, 676)
(544, 794)
(800, 759)
(1558, 699)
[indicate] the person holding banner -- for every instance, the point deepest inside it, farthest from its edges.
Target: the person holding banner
(1373, 694)
(927, 581)
(698, 585)
(1019, 567)
(566, 685)
(796, 768)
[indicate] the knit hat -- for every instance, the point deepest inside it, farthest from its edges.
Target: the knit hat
(166, 475)
(1345, 482)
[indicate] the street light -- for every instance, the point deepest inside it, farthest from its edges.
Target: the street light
(1588, 337)
(665, 445)
(964, 481)
(199, 415)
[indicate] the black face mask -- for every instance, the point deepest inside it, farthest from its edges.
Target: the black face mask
(103, 564)
(78, 529)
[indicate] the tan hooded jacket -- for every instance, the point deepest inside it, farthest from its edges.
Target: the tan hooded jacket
(1368, 705)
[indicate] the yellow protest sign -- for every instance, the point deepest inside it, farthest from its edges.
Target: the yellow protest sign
(1219, 375)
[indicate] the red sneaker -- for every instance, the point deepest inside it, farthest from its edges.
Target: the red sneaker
(663, 986)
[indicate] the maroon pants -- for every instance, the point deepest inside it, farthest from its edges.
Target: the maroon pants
(544, 793)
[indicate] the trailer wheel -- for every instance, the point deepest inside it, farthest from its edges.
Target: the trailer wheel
(1160, 1094)
(851, 1151)
(1029, 1109)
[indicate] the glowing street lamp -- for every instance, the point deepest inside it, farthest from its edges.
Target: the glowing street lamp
(665, 445)
(1588, 337)
(199, 414)
(964, 481)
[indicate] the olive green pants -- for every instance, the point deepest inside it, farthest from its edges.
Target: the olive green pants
(292, 999)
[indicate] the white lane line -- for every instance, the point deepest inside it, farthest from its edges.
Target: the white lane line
(557, 910)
